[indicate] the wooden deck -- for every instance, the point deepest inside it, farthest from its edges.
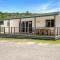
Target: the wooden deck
(28, 36)
(41, 33)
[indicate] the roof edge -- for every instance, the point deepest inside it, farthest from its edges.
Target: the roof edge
(41, 15)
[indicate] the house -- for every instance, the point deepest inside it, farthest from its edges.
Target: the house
(44, 25)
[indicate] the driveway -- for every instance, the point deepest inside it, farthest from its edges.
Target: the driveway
(28, 51)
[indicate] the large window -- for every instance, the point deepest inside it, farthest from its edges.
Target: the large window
(50, 23)
(1, 22)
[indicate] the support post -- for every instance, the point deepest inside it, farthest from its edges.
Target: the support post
(0, 29)
(11, 30)
(20, 25)
(14, 30)
(9, 26)
(4, 30)
(55, 26)
(35, 25)
(57, 31)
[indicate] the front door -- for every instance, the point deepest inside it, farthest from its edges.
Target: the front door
(27, 26)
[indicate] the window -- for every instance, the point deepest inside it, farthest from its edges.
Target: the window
(50, 23)
(1, 22)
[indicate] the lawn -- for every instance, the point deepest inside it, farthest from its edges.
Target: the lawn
(30, 40)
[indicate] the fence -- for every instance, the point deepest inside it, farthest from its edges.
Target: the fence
(41, 31)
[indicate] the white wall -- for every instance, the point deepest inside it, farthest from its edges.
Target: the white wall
(29, 19)
(41, 21)
(14, 23)
(5, 25)
(57, 24)
(57, 21)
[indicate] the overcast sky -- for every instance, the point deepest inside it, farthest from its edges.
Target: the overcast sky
(35, 6)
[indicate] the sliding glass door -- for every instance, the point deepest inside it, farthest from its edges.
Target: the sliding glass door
(27, 26)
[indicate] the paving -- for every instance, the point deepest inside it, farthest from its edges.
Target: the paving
(29, 51)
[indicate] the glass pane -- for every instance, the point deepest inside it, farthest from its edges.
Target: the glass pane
(1, 22)
(47, 23)
(52, 23)
(30, 26)
(23, 26)
(27, 26)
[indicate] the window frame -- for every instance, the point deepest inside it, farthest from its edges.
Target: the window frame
(1, 22)
(49, 21)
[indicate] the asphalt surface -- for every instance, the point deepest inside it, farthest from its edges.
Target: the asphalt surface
(28, 51)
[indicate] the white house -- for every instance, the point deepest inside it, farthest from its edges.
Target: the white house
(47, 24)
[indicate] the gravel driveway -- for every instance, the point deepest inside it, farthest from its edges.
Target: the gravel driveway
(28, 51)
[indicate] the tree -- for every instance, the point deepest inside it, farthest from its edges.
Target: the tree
(27, 12)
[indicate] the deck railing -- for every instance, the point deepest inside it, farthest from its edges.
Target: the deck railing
(41, 31)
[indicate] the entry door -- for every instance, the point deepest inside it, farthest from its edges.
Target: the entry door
(27, 26)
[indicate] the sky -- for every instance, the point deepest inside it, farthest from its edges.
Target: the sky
(33, 6)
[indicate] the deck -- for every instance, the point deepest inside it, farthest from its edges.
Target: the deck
(41, 33)
(28, 36)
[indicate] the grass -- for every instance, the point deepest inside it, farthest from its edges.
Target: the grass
(30, 40)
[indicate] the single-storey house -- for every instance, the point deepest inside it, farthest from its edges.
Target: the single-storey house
(45, 25)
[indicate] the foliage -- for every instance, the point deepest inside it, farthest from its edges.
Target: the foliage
(30, 40)
(15, 15)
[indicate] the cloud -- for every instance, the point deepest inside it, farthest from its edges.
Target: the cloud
(43, 7)
(48, 7)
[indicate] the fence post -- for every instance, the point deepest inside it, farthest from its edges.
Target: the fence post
(14, 30)
(4, 30)
(11, 30)
(57, 31)
(50, 32)
(0, 29)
